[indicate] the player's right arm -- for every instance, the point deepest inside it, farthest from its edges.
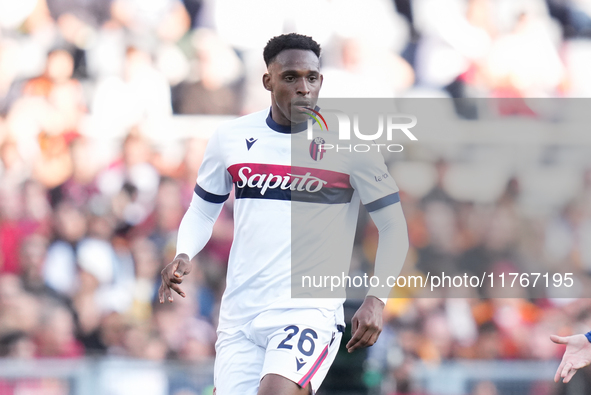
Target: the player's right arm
(194, 232)
(213, 187)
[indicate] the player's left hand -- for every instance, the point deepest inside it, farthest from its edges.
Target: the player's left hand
(576, 356)
(366, 324)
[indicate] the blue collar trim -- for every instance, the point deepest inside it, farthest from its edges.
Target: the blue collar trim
(287, 129)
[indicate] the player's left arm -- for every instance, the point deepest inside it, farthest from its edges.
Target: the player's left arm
(366, 324)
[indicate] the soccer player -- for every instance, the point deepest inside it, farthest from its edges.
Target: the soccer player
(268, 342)
(576, 356)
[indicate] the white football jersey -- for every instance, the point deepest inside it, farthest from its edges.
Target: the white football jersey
(295, 212)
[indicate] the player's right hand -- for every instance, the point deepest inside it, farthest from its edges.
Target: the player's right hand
(172, 276)
(576, 356)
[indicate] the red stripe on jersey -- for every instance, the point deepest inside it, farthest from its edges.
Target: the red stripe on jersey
(308, 376)
(333, 179)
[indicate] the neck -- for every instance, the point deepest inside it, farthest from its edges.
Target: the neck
(278, 117)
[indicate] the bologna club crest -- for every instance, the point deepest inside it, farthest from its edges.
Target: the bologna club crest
(316, 150)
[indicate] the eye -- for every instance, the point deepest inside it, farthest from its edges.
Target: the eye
(289, 78)
(313, 78)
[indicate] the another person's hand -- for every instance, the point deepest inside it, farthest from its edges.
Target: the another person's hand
(172, 276)
(366, 324)
(576, 356)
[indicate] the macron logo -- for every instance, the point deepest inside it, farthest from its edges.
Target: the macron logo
(250, 142)
(300, 362)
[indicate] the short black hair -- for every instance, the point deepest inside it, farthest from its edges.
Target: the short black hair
(289, 41)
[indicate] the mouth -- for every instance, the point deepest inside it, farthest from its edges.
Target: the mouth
(302, 106)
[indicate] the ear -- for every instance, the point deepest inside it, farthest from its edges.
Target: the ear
(267, 82)
(321, 80)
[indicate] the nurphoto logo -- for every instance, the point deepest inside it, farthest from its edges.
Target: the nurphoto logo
(388, 122)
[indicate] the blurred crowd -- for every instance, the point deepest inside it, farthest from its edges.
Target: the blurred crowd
(85, 231)
(488, 323)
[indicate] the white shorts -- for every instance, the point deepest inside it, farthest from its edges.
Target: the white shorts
(298, 344)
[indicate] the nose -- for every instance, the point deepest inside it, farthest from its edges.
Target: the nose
(303, 87)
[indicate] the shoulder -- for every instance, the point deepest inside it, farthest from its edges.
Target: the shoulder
(253, 120)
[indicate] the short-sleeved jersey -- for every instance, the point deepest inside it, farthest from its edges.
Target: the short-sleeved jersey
(306, 204)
